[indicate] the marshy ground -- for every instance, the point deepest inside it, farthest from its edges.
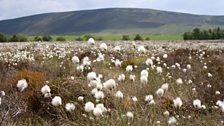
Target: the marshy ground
(191, 70)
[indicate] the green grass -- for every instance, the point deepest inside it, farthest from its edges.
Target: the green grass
(116, 37)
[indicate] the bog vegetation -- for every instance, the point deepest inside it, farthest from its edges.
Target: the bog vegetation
(114, 83)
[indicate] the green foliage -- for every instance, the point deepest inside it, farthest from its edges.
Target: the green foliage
(125, 37)
(18, 38)
(79, 39)
(138, 37)
(3, 37)
(86, 37)
(47, 38)
(147, 38)
(37, 39)
(210, 34)
(60, 38)
(99, 39)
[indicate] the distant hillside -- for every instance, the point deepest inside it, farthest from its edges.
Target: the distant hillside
(110, 21)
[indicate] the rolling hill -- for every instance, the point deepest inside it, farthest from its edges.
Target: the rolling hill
(109, 21)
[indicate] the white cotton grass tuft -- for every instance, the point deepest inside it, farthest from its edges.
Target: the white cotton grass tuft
(130, 115)
(56, 101)
(89, 106)
(165, 56)
(197, 103)
(91, 76)
(134, 99)
(177, 102)
(160, 92)
(148, 98)
(109, 84)
(75, 59)
(149, 62)
(141, 49)
(220, 104)
(99, 95)
(103, 47)
(172, 120)
(46, 91)
(97, 112)
(129, 68)
(102, 107)
(69, 107)
(143, 79)
(91, 41)
(179, 81)
(80, 98)
(22, 85)
(121, 77)
(165, 86)
(159, 70)
(117, 48)
(133, 44)
(2, 93)
(132, 77)
(144, 73)
(117, 63)
(188, 66)
(119, 94)
(209, 75)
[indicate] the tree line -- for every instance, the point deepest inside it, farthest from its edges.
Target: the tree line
(23, 38)
(210, 34)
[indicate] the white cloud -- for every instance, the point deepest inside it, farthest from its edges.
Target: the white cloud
(18, 8)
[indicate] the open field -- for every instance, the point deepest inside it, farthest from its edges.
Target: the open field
(117, 83)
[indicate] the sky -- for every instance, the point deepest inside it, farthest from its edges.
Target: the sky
(18, 8)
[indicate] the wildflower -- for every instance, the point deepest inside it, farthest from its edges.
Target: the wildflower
(132, 77)
(56, 101)
(165, 56)
(197, 103)
(160, 92)
(149, 62)
(99, 95)
(75, 59)
(166, 113)
(177, 102)
(22, 84)
(70, 107)
(209, 75)
(109, 84)
(80, 98)
(134, 99)
(117, 48)
(165, 86)
(89, 106)
(91, 41)
(144, 79)
(148, 98)
(101, 106)
(159, 70)
(144, 73)
(103, 47)
(129, 68)
(119, 94)
(97, 112)
(130, 115)
(91, 76)
(179, 81)
(121, 77)
(45, 89)
(172, 120)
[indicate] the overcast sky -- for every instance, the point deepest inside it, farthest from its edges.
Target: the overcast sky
(18, 8)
